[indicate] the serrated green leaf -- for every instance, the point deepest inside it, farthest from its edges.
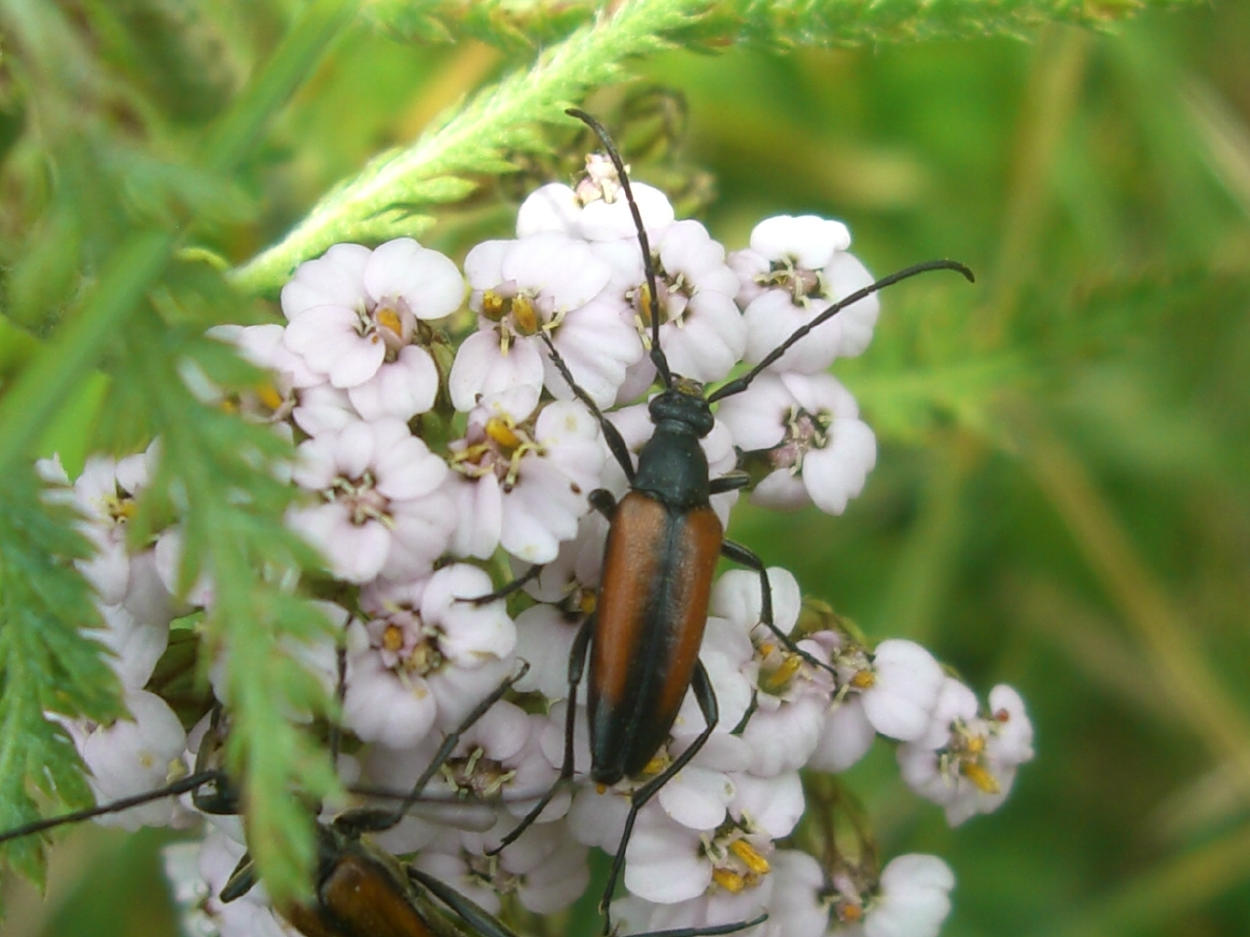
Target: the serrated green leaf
(47, 665)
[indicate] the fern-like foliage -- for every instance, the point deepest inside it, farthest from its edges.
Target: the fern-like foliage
(47, 665)
(783, 24)
(221, 477)
(848, 23)
(392, 195)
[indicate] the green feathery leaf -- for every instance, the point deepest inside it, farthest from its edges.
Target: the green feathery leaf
(47, 663)
(500, 120)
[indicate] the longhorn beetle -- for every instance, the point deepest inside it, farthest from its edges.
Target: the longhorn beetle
(359, 889)
(662, 547)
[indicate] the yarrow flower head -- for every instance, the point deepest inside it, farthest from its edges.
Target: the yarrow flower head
(966, 761)
(425, 486)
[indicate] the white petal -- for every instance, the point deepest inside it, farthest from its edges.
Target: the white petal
(845, 275)
(544, 639)
(601, 221)
(784, 739)
(846, 738)
(405, 468)
(483, 374)
(663, 863)
(915, 898)
(333, 278)
(696, 798)
(808, 240)
(477, 506)
(401, 389)
(553, 207)
(429, 282)
(484, 263)
(901, 701)
(834, 475)
(775, 804)
(379, 707)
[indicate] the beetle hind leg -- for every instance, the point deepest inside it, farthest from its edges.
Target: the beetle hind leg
(705, 696)
(577, 664)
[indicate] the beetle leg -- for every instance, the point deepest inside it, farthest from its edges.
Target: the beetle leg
(611, 435)
(374, 821)
(240, 881)
(481, 922)
(705, 696)
(190, 783)
(603, 501)
(732, 481)
(340, 694)
(577, 665)
(740, 554)
(708, 930)
(507, 588)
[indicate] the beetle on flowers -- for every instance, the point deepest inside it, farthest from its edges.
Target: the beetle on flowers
(574, 323)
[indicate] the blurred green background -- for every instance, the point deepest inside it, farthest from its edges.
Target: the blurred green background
(1061, 497)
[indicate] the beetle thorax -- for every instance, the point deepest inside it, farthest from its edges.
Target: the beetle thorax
(682, 407)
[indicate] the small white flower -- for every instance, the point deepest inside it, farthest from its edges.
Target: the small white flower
(795, 269)
(912, 900)
(702, 331)
(892, 692)
(546, 283)
(351, 312)
(381, 513)
(964, 761)
(792, 694)
(806, 432)
(136, 755)
(273, 399)
(597, 210)
(417, 657)
(523, 489)
(669, 863)
(498, 756)
(105, 494)
(542, 869)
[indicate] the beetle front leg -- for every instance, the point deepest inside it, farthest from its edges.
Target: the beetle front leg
(507, 588)
(374, 821)
(611, 435)
(740, 554)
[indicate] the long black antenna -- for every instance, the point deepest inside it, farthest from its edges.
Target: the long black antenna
(739, 384)
(189, 783)
(651, 302)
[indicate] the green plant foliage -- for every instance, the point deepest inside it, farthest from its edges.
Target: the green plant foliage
(47, 665)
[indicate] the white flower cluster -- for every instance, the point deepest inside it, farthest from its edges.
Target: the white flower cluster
(405, 518)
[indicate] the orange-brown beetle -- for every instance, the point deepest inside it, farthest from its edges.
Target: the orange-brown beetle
(662, 548)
